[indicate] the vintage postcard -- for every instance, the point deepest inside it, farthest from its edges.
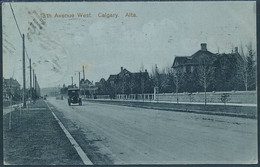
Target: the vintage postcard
(129, 83)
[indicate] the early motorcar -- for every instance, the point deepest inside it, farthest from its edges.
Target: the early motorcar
(74, 96)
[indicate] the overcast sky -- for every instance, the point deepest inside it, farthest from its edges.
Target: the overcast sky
(160, 31)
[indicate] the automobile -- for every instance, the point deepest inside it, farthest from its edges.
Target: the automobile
(74, 96)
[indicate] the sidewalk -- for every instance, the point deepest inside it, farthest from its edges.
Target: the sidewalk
(35, 138)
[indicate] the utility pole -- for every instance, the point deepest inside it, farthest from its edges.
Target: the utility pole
(79, 79)
(30, 78)
(24, 85)
(83, 73)
(33, 85)
(84, 80)
(157, 77)
(11, 99)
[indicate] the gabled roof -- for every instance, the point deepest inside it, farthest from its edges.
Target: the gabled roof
(138, 74)
(124, 71)
(112, 78)
(178, 60)
(201, 53)
(86, 81)
(191, 60)
(231, 55)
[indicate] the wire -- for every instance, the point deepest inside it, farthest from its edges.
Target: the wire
(20, 35)
(16, 20)
(18, 28)
(27, 54)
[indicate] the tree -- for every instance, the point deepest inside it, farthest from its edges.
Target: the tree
(248, 67)
(142, 80)
(166, 80)
(155, 76)
(205, 73)
(177, 79)
(227, 76)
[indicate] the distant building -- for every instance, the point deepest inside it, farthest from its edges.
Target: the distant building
(225, 68)
(189, 63)
(10, 88)
(87, 87)
(126, 82)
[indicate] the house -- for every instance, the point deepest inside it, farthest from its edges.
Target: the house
(126, 82)
(85, 83)
(189, 63)
(220, 70)
(87, 87)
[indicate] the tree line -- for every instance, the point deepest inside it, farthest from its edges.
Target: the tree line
(223, 72)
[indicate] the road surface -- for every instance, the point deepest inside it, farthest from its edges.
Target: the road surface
(111, 134)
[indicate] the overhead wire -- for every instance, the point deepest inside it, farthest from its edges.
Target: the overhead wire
(19, 32)
(18, 28)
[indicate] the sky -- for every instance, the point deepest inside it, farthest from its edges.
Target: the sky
(59, 47)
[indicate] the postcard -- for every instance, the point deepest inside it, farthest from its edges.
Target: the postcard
(129, 83)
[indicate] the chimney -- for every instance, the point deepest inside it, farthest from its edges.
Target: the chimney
(122, 69)
(236, 49)
(203, 46)
(145, 70)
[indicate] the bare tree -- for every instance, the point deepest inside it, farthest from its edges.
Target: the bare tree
(155, 80)
(155, 75)
(205, 73)
(177, 77)
(248, 66)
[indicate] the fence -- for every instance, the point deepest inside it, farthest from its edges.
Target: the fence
(243, 97)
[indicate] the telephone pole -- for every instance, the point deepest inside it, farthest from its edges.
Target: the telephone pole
(79, 79)
(84, 78)
(83, 73)
(30, 78)
(24, 85)
(33, 90)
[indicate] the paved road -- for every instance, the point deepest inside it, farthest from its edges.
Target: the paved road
(128, 135)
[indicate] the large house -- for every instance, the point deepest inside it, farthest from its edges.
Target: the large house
(126, 82)
(188, 63)
(224, 69)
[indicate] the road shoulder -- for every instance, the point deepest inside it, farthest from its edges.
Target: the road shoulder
(35, 138)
